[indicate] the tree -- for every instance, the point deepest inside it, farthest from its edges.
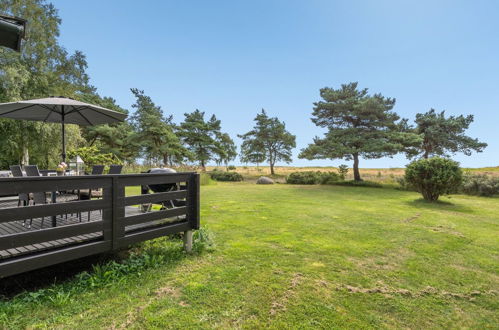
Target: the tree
(155, 132)
(200, 136)
(269, 138)
(43, 68)
(120, 139)
(252, 151)
(226, 150)
(442, 136)
(359, 125)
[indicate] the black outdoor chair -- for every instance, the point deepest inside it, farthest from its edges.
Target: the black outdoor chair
(17, 172)
(88, 194)
(39, 198)
(115, 169)
(97, 170)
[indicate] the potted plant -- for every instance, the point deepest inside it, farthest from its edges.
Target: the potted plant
(61, 169)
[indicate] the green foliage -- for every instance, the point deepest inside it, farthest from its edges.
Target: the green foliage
(43, 68)
(226, 176)
(305, 177)
(343, 171)
(480, 185)
(434, 177)
(443, 136)
(312, 177)
(226, 149)
(268, 140)
(159, 142)
(202, 136)
(329, 178)
(231, 168)
(359, 125)
(120, 139)
(93, 156)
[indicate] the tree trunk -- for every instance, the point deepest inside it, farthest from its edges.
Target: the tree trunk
(165, 160)
(272, 168)
(356, 173)
(25, 158)
(203, 167)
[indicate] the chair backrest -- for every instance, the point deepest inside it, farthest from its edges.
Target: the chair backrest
(16, 171)
(31, 170)
(38, 197)
(115, 169)
(97, 169)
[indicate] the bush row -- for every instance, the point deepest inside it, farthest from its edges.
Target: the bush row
(226, 176)
(311, 177)
(480, 185)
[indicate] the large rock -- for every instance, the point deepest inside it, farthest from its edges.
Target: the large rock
(264, 180)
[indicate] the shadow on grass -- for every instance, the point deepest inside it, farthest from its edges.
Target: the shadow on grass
(95, 269)
(439, 205)
(52, 275)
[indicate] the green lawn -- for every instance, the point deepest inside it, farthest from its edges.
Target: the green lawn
(308, 257)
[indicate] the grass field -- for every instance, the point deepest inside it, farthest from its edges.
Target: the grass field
(305, 257)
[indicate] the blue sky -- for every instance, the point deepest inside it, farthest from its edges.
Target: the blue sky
(232, 58)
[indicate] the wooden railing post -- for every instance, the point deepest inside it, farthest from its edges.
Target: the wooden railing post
(118, 211)
(107, 213)
(193, 197)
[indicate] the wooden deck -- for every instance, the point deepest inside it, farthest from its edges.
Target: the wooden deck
(21, 226)
(89, 227)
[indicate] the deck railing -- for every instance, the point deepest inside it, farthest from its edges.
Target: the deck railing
(75, 228)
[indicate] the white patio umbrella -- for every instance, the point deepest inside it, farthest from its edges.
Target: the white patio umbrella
(60, 110)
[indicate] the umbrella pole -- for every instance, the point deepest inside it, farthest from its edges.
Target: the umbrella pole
(63, 137)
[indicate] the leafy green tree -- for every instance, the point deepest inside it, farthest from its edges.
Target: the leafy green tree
(359, 125)
(270, 138)
(443, 136)
(201, 136)
(226, 150)
(156, 132)
(43, 68)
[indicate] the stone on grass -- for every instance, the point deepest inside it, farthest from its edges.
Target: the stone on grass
(264, 180)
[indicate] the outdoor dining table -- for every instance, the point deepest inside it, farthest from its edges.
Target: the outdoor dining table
(53, 198)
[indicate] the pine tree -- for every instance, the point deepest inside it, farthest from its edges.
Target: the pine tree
(270, 139)
(359, 125)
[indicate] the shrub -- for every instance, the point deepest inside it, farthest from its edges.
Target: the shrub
(434, 177)
(231, 168)
(329, 178)
(311, 177)
(226, 176)
(343, 171)
(306, 177)
(480, 184)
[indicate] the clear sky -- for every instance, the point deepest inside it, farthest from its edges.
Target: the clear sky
(232, 58)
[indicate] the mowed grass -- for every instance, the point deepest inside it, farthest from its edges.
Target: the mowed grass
(310, 257)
